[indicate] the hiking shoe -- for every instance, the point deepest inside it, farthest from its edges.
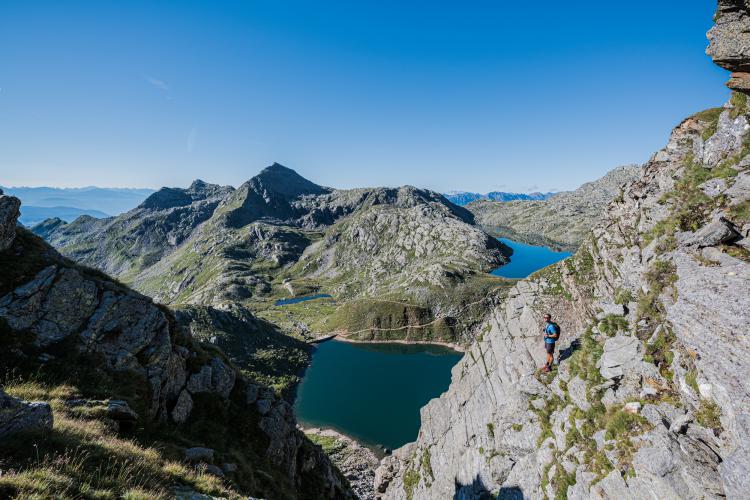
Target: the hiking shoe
(546, 369)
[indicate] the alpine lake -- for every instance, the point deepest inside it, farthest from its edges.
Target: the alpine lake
(373, 392)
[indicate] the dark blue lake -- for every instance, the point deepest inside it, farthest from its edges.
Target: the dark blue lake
(527, 259)
(283, 302)
(373, 392)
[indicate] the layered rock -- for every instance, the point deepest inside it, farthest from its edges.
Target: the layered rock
(562, 220)
(730, 42)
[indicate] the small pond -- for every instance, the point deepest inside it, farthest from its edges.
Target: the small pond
(283, 302)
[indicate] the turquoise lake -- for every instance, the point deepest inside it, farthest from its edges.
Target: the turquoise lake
(373, 392)
(526, 259)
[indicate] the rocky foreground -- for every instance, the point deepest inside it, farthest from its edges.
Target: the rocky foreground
(131, 404)
(651, 396)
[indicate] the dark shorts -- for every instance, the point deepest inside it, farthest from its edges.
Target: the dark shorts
(550, 347)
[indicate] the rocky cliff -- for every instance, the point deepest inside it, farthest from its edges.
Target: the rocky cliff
(563, 220)
(650, 398)
(111, 361)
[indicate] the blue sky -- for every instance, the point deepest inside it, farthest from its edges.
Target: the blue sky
(513, 96)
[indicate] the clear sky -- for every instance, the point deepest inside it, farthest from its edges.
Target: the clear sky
(448, 95)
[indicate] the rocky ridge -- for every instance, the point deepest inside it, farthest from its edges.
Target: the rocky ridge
(562, 220)
(650, 398)
(74, 326)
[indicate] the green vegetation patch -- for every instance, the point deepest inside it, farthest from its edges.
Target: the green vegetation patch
(739, 104)
(710, 117)
(708, 415)
(374, 319)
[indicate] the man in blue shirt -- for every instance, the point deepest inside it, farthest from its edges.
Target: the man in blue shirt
(551, 334)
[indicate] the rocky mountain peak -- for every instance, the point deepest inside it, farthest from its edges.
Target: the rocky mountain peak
(730, 42)
(286, 182)
(168, 197)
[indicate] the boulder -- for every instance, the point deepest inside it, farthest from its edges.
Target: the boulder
(716, 232)
(577, 393)
(619, 351)
(201, 381)
(222, 377)
(182, 407)
(22, 416)
(213, 470)
(632, 407)
(9, 214)
(120, 412)
(199, 454)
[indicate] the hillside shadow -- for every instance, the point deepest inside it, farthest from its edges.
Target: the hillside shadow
(568, 351)
(478, 491)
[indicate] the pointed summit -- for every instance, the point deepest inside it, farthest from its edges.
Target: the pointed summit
(271, 195)
(285, 182)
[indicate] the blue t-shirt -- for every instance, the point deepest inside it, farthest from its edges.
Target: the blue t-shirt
(550, 329)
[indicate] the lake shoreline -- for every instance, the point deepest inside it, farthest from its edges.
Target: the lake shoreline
(449, 345)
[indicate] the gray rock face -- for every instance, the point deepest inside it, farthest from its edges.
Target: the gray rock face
(22, 416)
(619, 352)
(716, 232)
(182, 407)
(9, 214)
(730, 42)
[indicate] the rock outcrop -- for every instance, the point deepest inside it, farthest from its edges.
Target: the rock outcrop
(562, 220)
(8, 216)
(730, 42)
(650, 398)
(76, 321)
(22, 416)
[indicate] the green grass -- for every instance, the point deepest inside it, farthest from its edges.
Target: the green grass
(612, 324)
(659, 352)
(83, 457)
(708, 415)
(623, 296)
(583, 360)
(330, 444)
(710, 118)
(411, 480)
(739, 104)
(374, 319)
(691, 379)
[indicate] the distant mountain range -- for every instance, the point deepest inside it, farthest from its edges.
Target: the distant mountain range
(462, 198)
(40, 203)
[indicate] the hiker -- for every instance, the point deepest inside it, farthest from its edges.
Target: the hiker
(551, 335)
